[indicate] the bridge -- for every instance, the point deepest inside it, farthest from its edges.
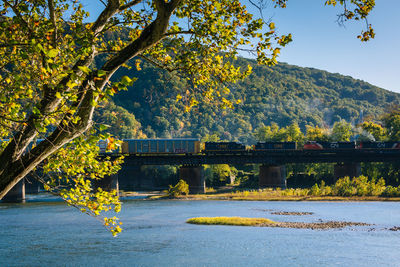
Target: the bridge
(272, 169)
(275, 157)
(272, 163)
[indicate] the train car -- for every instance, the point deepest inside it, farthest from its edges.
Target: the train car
(106, 148)
(102, 144)
(380, 145)
(223, 147)
(161, 146)
(265, 146)
(313, 145)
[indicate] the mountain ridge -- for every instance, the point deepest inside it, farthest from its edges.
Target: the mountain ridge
(281, 94)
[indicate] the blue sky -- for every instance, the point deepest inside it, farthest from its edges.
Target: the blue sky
(319, 42)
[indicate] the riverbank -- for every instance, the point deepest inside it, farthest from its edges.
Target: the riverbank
(344, 189)
(272, 197)
(230, 193)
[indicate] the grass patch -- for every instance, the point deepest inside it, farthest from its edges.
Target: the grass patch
(237, 221)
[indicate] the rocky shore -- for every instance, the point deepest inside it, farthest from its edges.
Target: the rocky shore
(315, 225)
(295, 213)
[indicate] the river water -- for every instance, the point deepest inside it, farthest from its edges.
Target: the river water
(155, 234)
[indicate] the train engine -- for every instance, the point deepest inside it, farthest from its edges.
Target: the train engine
(380, 145)
(313, 145)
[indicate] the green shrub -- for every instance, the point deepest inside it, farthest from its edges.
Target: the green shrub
(358, 186)
(391, 191)
(320, 190)
(343, 187)
(315, 190)
(362, 186)
(298, 192)
(324, 189)
(376, 189)
(179, 189)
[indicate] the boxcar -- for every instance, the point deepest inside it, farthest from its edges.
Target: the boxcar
(262, 146)
(161, 146)
(223, 147)
(380, 145)
(329, 145)
(103, 146)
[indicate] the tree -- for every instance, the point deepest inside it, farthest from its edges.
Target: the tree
(50, 85)
(376, 130)
(122, 124)
(275, 134)
(391, 121)
(293, 133)
(341, 131)
(270, 133)
(179, 189)
(316, 134)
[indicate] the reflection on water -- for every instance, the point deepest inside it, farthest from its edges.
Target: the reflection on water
(155, 234)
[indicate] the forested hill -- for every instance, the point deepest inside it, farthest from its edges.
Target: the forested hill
(282, 94)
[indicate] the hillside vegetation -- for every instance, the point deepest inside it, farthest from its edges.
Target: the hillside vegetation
(282, 94)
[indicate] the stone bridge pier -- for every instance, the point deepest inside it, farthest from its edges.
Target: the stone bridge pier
(108, 183)
(272, 176)
(17, 193)
(194, 177)
(130, 178)
(351, 169)
(32, 186)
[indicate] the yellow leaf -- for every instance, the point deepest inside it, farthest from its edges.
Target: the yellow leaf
(137, 64)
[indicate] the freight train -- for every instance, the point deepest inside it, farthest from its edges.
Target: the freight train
(194, 146)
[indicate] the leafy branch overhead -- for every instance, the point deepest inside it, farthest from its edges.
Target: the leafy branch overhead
(49, 87)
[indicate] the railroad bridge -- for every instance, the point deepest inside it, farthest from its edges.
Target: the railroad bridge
(272, 168)
(272, 165)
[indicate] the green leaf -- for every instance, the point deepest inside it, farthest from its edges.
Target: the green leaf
(101, 73)
(85, 69)
(35, 111)
(71, 84)
(103, 127)
(52, 53)
(125, 80)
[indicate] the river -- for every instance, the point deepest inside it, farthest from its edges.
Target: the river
(155, 234)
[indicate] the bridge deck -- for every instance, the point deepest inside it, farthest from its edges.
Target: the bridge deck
(275, 157)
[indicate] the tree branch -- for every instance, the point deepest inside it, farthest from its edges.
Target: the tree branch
(151, 61)
(53, 20)
(130, 4)
(151, 35)
(178, 32)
